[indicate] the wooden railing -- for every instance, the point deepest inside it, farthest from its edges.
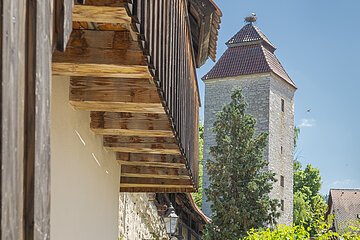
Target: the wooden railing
(164, 29)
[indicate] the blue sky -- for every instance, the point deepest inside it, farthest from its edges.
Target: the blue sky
(318, 43)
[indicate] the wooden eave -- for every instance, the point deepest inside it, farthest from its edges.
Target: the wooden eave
(205, 18)
(112, 78)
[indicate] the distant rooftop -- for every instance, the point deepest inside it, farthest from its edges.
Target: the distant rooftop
(345, 205)
(249, 52)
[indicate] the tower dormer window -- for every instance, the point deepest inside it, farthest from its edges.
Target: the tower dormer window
(282, 181)
(282, 105)
(282, 205)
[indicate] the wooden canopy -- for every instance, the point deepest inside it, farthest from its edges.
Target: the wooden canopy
(205, 19)
(132, 66)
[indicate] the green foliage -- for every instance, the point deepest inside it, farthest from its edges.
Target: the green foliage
(309, 206)
(307, 181)
(198, 195)
(299, 232)
(296, 135)
(309, 211)
(302, 209)
(239, 186)
(280, 233)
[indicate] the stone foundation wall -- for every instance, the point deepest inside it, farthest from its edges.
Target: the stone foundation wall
(139, 219)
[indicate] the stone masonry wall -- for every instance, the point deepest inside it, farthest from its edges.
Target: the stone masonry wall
(281, 136)
(263, 93)
(255, 89)
(139, 219)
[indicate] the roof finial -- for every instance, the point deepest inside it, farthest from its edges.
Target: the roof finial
(251, 19)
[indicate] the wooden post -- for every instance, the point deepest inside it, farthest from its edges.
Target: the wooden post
(12, 117)
(37, 119)
(26, 49)
(63, 22)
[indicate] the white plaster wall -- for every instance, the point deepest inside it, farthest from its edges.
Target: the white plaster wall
(84, 177)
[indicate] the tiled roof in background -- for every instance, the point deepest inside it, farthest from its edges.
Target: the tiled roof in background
(276, 66)
(245, 60)
(239, 61)
(345, 207)
(249, 33)
(249, 52)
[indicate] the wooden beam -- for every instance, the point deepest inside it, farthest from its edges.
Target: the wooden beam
(154, 172)
(130, 124)
(100, 56)
(134, 116)
(141, 145)
(113, 90)
(100, 26)
(102, 14)
(157, 190)
(165, 176)
(112, 3)
(118, 106)
(99, 61)
(153, 164)
(155, 182)
(143, 148)
(150, 158)
(131, 132)
(120, 40)
(100, 70)
(137, 139)
(137, 185)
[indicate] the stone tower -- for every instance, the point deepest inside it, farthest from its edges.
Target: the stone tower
(249, 63)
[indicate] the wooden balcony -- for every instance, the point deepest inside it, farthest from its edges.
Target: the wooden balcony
(132, 65)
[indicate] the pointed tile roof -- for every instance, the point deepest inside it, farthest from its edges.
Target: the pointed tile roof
(249, 52)
(247, 35)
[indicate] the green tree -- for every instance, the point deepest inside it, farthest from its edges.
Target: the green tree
(239, 182)
(198, 195)
(299, 232)
(308, 180)
(296, 136)
(279, 233)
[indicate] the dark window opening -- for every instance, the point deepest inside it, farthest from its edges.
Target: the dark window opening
(282, 205)
(282, 150)
(282, 181)
(282, 105)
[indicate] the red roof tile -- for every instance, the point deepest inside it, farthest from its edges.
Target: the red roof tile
(249, 33)
(276, 66)
(249, 52)
(345, 204)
